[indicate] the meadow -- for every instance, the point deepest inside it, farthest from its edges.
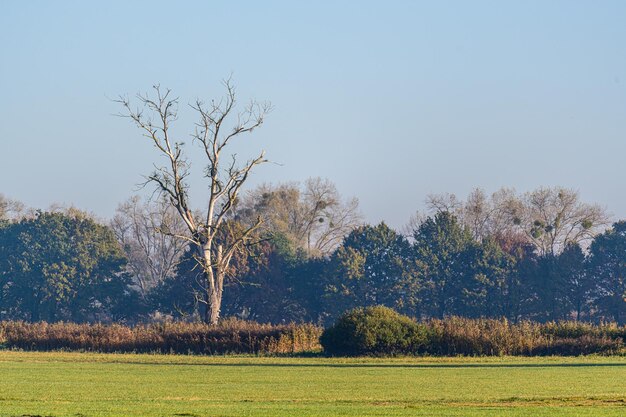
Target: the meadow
(93, 384)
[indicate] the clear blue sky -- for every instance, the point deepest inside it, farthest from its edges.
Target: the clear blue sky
(390, 100)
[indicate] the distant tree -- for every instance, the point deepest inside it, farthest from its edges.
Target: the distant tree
(488, 288)
(556, 287)
(59, 266)
(486, 217)
(265, 291)
(225, 178)
(547, 289)
(608, 265)
(177, 296)
(573, 267)
(551, 221)
(548, 218)
(309, 286)
(554, 218)
(10, 209)
(313, 216)
(147, 233)
(441, 247)
(367, 269)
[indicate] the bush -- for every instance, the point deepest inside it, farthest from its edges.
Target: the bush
(373, 331)
(381, 331)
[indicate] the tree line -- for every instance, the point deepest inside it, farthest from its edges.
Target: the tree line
(299, 252)
(541, 256)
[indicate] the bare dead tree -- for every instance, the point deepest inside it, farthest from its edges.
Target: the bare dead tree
(312, 216)
(555, 217)
(549, 219)
(446, 202)
(146, 231)
(11, 209)
(225, 178)
(327, 218)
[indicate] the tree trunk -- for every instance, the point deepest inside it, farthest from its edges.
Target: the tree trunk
(214, 308)
(214, 279)
(213, 301)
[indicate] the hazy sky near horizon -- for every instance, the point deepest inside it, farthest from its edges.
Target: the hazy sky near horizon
(389, 100)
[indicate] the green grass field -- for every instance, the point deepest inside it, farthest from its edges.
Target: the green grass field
(81, 384)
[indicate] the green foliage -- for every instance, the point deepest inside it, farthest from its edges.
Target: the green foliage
(608, 264)
(373, 331)
(367, 269)
(488, 284)
(264, 291)
(62, 266)
(59, 266)
(442, 248)
(381, 331)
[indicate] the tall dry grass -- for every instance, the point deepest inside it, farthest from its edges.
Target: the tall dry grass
(230, 336)
(489, 337)
(450, 337)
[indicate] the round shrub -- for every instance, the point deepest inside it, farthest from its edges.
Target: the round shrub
(375, 331)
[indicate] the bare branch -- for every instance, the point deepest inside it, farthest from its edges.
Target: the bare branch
(224, 184)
